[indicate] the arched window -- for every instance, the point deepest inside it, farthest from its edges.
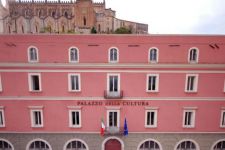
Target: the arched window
(36, 28)
(63, 28)
(39, 13)
(85, 21)
(113, 55)
(99, 28)
(5, 145)
(186, 145)
(22, 29)
(73, 54)
(66, 14)
(39, 145)
(193, 55)
(149, 145)
(75, 145)
(53, 13)
(9, 29)
(32, 54)
(153, 55)
(219, 145)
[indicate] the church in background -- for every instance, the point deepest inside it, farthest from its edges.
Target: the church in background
(80, 16)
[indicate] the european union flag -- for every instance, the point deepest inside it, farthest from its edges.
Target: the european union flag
(125, 131)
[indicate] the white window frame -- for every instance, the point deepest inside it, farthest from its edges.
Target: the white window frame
(0, 83)
(192, 124)
(195, 83)
(149, 110)
(3, 117)
(118, 117)
(224, 87)
(108, 79)
(71, 125)
(113, 61)
(222, 119)
(72, 61)
(70, 83)
(186, 140)
(28, 54)
(189, 52)
(75, 140)
(30, 82)
(215, 146)
(157, 83)
(157, 55)
(149, 140)
(33, 119)
(41, 140)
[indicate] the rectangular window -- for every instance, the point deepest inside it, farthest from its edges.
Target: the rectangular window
(113, 118)
(151, 118)
(75, 118)
(152, 82)
(37, 118)
(74, 82)
(222, 124)
(2, 118)
(34, 82)
(191, 83)
(0, 84)
(113, 85)
(189, 119)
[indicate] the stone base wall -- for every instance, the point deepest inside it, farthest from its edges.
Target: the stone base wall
(168, 141)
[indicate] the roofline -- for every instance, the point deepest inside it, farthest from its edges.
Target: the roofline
(52, 34)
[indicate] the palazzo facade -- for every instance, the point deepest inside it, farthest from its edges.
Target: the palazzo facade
(166, 91)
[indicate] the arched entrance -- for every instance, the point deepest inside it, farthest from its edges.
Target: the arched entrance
(113, 144)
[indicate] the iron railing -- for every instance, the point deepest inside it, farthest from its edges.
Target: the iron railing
(113, 94)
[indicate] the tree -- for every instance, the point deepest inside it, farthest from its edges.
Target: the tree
(122, 30)
(93, 30)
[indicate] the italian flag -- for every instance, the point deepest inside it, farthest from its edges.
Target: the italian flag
(102, 128)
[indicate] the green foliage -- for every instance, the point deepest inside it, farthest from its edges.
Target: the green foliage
(72, 31)
(123, 30)
(93, 30)
(47, 29)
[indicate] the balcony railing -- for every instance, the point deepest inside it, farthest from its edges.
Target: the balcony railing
(113, 94)
(114, 130)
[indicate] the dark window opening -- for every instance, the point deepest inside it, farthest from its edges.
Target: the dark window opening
(35, 82)
(84, 21)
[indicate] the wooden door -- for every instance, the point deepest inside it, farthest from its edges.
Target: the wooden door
(113, 144)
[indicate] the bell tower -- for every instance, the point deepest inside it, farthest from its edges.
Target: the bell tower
(85, 14)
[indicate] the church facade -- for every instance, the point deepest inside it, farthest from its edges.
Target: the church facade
(80, 16)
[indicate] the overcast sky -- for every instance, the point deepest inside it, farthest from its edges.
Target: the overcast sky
(173, 16)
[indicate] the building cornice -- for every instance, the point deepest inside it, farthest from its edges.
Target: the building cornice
(96, 132)
(114, 65)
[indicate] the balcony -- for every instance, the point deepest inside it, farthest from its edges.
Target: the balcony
(114, 131)
(113, 94)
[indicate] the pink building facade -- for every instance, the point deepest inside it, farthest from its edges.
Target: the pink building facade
(55, 91)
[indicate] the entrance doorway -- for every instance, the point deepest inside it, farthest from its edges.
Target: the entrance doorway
(113, 144)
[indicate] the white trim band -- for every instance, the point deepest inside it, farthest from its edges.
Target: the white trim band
(32, 98)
